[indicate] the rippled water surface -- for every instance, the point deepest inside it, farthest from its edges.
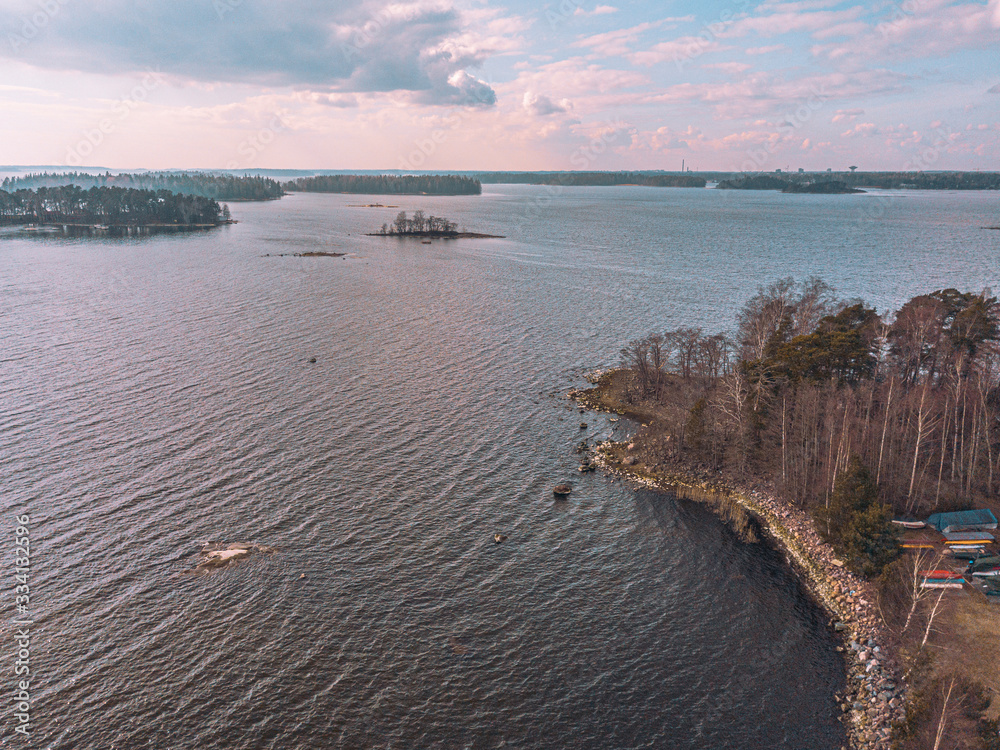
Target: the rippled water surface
(157, 394)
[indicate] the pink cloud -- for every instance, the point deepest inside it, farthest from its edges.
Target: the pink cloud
(788, 21)
(936, 29)
(621, 42)
(678, 50)
(768, 93)
(847, 115)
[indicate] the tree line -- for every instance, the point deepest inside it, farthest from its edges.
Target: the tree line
(815, 391)
(107, 205)
(387, 184)
(220, 187)
(593, 179)
(787, 181)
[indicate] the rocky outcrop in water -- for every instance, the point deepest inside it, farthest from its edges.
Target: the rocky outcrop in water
(215, 555)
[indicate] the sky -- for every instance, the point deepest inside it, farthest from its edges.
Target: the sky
(733, 85)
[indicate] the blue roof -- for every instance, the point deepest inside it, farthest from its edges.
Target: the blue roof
(963, 519)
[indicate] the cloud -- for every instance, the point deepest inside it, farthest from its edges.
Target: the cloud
(541, 106)
(790, 18)
(684, 48)
(340, 101)
(600, 10)
(768, 93)
(847, 115)
(765, 50)
(461, 88)
(418, 46)
(994, 90)
(621, 42)
(937, 29)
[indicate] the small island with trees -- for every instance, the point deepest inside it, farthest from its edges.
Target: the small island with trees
(220, 187)
(357, 184)
(427, 228)
(110, 211)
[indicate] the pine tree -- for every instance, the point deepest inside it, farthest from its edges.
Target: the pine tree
(857, 523)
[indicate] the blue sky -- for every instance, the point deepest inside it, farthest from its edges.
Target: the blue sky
(477, 84)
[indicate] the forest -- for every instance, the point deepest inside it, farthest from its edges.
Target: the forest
(220, 187)
(112, 206)
(593, 179)
(923, 180)
(387, 184)
(812, 382)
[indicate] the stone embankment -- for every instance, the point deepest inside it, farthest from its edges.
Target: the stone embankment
(875, 696)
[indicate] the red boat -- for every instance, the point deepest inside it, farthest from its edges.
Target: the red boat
(940, 575)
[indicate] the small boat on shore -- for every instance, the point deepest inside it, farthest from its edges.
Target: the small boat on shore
(940, 574)
(966, 554)
(984, 562)
(909, 524)
(967, 537)
(943, 585)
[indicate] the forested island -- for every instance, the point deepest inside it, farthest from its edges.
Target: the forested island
(111, 210)
(788, 181)
(923, 180)
(426, 227)
(593, 179)
(826, 419)
(387, 184)
(767, 182)
(754, 182)
(821, 187)
(220, 187)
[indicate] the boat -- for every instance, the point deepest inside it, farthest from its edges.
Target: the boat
(940, 574)
(984, 562)
(988, 573)
(909, 524)
(968, 542)
(916, 545)
(966, 554)
(942, 584)
(967, 537)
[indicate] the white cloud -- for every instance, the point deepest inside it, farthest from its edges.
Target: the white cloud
(542, 106)
(600, 10)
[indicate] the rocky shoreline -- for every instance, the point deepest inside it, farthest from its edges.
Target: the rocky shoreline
(875, 698)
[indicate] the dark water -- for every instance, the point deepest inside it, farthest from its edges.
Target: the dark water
(156, 394)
